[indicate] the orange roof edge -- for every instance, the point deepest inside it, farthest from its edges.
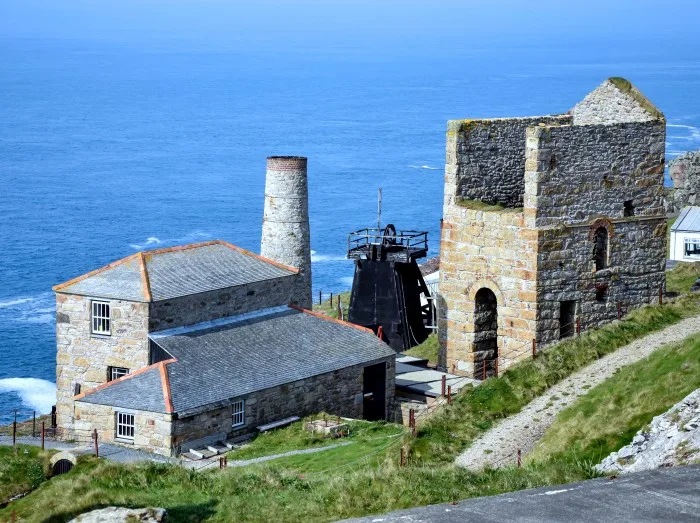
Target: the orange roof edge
(93, 273)
(258, 256)
(124, 378)
(334, 320)
(165, 382)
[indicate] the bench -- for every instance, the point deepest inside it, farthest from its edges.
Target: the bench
(277, 424)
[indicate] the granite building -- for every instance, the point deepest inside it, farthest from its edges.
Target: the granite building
(176, 348)
(550, 223)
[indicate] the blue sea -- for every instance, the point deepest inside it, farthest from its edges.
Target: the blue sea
(110, 148)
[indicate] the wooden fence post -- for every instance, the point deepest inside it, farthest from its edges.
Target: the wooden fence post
(483, 370)
(619, 311)
(534, 348)
(449, 394)
(578, 326)
(43, 434)
(97, 448)
(444, 385)
(518, 458)
(661, 295)
(331, 300)
(496, 369)
(14, 430)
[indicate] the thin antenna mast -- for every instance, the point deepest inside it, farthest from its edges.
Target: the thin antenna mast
(379, 208)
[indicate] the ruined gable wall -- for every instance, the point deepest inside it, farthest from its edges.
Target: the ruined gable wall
(577, 178)
(489, 157)
(607, 104)
(83, 357)
(212, 305)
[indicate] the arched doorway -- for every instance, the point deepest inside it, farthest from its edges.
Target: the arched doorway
(485, 333)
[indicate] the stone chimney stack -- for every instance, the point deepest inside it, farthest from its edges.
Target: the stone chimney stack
(285, 231)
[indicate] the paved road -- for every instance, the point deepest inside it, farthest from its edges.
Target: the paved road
(670, 494)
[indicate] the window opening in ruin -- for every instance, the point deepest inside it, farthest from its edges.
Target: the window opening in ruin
(600, 248)
(485, 333)
(601, 292)
(629, 208)
(125, 425)
(567, 319)
(692, 247)
(114, 373)
(238, 413)
(101, 322)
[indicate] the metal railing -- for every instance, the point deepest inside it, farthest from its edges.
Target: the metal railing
(408, 239)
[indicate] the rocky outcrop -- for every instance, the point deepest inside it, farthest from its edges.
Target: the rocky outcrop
(685, 174)
(672, 439)
(122, 515)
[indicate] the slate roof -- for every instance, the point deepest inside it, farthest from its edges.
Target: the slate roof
(218, 361)
(176, 271)
(688, 220)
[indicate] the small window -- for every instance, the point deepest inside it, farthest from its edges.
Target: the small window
(125, 425)
(600, 248)
(692, 247)
(114, 373)
(238, 413)
(101, 323)
(629, 208)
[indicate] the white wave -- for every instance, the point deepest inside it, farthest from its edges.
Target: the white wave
(683, 126)
(425, 167)
(154, 241)
(325, 257)
(15, 301)
(36, 394)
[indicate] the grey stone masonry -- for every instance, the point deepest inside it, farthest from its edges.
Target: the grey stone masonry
(685, 174)
(285, 229)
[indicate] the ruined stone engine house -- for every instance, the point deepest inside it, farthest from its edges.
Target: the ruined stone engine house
(550, 223)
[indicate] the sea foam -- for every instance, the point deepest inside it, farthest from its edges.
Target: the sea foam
(36, 394)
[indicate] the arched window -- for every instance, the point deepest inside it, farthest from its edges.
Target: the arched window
(485, 333)
(600, 248)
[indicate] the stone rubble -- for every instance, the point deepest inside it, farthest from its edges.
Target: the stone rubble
(672, 439)
(122, 515)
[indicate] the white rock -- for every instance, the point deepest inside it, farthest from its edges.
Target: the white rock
(122, 515)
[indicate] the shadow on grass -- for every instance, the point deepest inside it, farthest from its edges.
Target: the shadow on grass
(192, 513)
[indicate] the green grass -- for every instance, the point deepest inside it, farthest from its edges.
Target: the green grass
(365, 438)
(476, 409)
(302, 488)
(478, 205)
(325, 306)
(427, 350)
(682, 276)
(21, 470)
(609, 415)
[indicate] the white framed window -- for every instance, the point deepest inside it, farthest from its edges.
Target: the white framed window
(114, 373)
(125, 425)
(691, 247)
(100, 318)
(238, 413)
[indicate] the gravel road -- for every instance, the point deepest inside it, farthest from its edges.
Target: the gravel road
(498, 447)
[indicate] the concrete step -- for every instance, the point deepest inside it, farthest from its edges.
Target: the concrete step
(218, 447)
(190, 456)
(203, 453)
(233, 445)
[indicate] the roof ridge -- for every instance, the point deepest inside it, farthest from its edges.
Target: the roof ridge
(145, 280)
(123, 378)
(176, 248)
(258, 256)
(94, 272)
(334, 320)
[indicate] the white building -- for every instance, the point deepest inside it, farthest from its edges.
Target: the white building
(685, 236)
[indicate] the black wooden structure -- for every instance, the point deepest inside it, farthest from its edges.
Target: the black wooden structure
(388, 286)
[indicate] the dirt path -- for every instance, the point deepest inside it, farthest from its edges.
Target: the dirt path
(498, 447)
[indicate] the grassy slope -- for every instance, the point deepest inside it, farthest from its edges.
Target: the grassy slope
(325, 306)
(21, 471)
(427, 350)
(476, 409)
(276, 491)
(682, 276)
(609, 416)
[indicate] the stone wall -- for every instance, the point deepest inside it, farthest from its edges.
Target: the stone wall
(152, 431)
(609, 104)
(213, 305)
(685, 173)
(338, 393)
(487, 157)
(578, 179)
(83, 357)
